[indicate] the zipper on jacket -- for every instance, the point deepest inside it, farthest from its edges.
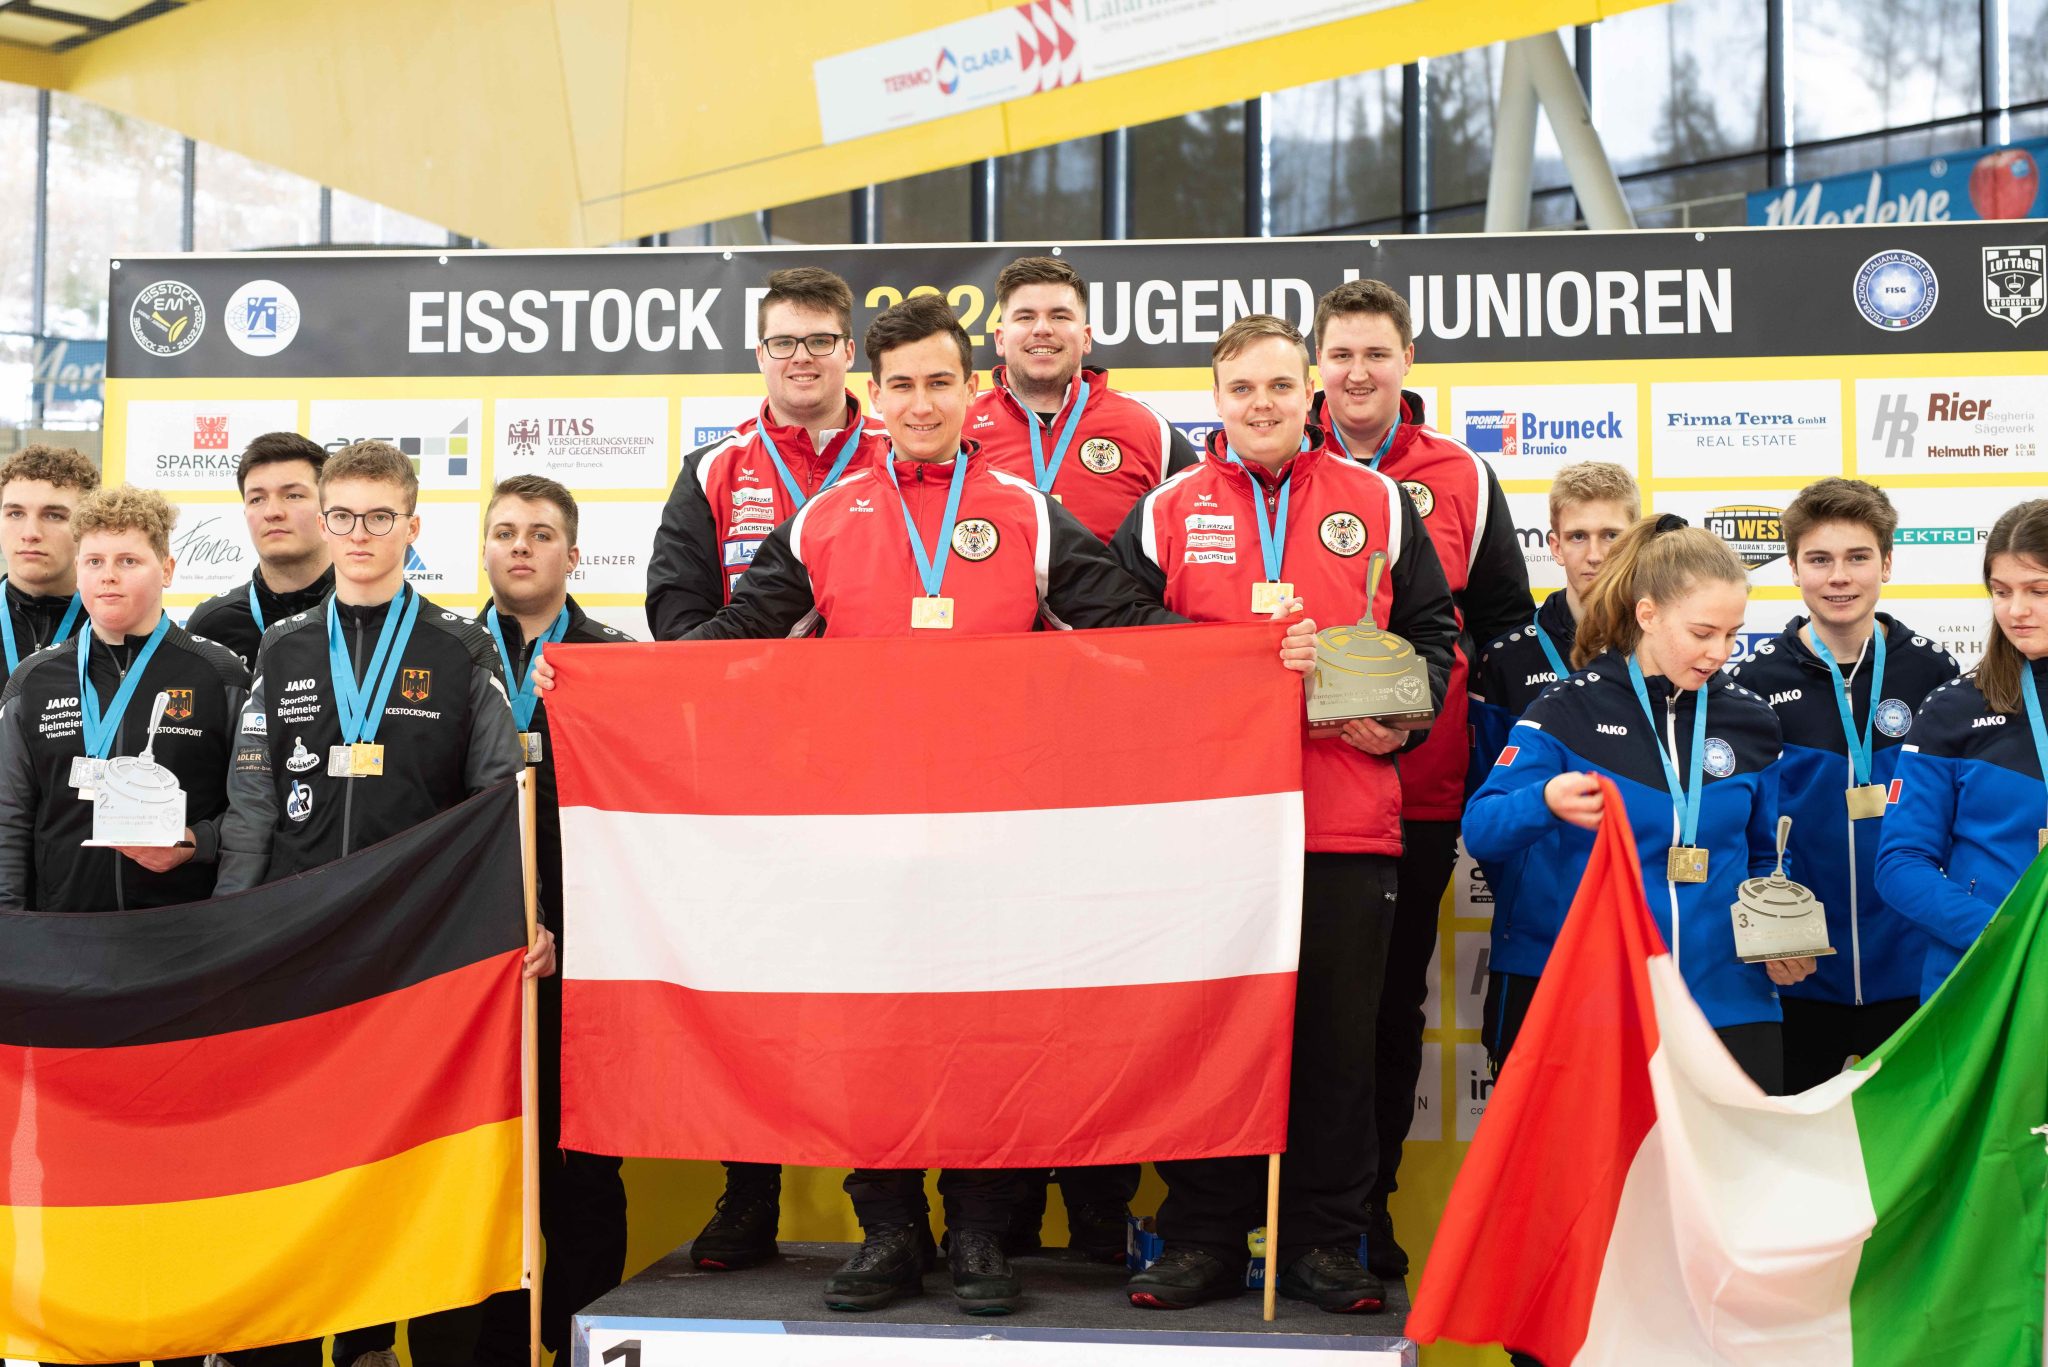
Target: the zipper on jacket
(1855, 919)
(120, 677)
(348, 785)
(1677, 831)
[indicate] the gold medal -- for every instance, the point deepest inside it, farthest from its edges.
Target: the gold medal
(1058, 498)
(929, 612)
(1685, 864)
(1866, 800)
(1268, 595)
(2041, 840)
(365, 760)
(530, 746)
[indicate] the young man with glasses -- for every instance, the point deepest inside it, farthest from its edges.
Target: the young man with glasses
(279, 479)
(809, 434)
(368, 715)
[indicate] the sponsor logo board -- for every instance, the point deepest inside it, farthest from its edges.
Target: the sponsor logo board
(176, 445)
(445, 562)
(2016, 282)
(1740, 428)
(585, 443)
(1986, 424)
(615, 540)
(1532, 531)
(210, 543)
(1533, 431)
(443, 438)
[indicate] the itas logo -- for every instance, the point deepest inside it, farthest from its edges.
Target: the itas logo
(1752, 533)
(210, 432)
(522, 435)
(2015, 283)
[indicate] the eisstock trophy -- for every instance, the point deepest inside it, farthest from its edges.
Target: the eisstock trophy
(1362, 671)
(1776, 918)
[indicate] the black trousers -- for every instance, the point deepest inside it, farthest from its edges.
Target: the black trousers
(1428, 856)
(1759, 1047)
(1822, 1037)
(974, 1198)
(1109, 1184)
(1326, 1177)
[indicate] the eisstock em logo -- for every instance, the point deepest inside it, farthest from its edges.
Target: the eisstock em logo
(167, 318)
(1895, 290)
(1499, 432)
(1751, 531)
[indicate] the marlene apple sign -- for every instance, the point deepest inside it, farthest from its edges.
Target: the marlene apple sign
(1989, 183)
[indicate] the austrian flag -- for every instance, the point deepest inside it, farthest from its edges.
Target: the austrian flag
(999, 901)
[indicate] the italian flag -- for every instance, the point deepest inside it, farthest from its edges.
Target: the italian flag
(1631, 1197)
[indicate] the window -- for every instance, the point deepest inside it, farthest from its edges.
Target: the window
(1187, 175)
(1862, 65)
(239, 204)
(1461, 92)
(826, 219)
(1703, 197)
(2026, 39)
(117, 186)
(359, 222)
(1681, 83)
(1336, 152)
(933, 207)
(1810, 163)
(1053, 194)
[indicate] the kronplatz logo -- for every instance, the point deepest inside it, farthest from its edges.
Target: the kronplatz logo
(1502, 432)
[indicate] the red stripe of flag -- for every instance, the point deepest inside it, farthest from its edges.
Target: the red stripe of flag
(1157, 1071)
(973, 724)
(268, 1106)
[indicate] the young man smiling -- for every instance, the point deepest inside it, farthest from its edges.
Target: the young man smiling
(809, 434)
(1365, 345)
(90, 697)
(279, 479)
(1846, 682)
(1273, 510)
(40, 487)
(1049, 418)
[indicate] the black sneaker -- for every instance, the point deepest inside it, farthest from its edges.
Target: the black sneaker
(1333, 1279)
(1384, 1257)
(1182, 1279)
(982, 1280)
(741, 1231)
(1027, 1217)
(890, 1262)
(1099, 1232)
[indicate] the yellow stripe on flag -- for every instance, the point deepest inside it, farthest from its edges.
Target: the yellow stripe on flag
(430, 1229)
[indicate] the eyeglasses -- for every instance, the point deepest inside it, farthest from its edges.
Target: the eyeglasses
(818, 344)
(342, 522)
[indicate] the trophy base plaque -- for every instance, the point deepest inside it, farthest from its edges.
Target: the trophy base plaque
(1364, 672)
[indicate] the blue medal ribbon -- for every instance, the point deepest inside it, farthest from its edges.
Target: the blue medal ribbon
(1272, 536)
(931, 568)
(361, 705)
(1688, 801)
(1557, 664)
(7, 628)
(1386, 445)
(849, 442)
(1042, 471)
(1859, 748)
(256, 608)
(2033, 699)
(101, 726)
(524, 699)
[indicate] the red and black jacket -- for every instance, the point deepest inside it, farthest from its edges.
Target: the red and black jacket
(726, 501)
(1194, 541)
(844, 567)
(1466, 515)
(1121, 447)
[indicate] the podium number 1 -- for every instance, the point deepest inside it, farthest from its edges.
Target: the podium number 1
(626, 1354)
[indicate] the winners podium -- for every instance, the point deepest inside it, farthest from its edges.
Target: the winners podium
(1073, 1315)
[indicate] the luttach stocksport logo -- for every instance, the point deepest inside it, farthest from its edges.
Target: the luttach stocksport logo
(1895, 290)
(2015, 282)
(167, 318)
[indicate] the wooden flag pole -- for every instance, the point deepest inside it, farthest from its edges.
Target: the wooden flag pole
(1272, 1232)
(529, 1071)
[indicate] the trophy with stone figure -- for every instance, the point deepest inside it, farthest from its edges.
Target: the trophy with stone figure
(1362, 671)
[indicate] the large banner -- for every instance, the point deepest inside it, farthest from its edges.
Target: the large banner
(1726, 368)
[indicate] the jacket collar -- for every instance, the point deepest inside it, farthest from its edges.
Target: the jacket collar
(1555, 617)
(1411, 418)
(796, 441)
(1794, 645)
(999, 377)
(1304, 464)
(278, 606)
(515, 636)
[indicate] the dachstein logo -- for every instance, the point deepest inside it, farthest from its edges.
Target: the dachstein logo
(1751, 532)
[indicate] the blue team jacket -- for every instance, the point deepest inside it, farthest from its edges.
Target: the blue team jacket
(1965, 823)
(1878, 953)
(1512, 672)
(1593, 722)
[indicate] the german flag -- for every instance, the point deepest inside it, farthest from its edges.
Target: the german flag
(270, 1116)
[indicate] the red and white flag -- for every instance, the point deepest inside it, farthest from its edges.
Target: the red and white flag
(1000, 901)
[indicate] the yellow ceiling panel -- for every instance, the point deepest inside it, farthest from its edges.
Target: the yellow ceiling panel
(34, 30)
(106, 11)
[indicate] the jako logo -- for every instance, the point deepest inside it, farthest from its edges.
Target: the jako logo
(1789, 695)
(1608, 728)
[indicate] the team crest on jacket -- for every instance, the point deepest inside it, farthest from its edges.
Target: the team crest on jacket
(975, 539)
(179, 706)
(1101, 455)
(1343, 533)
(1718, 758)
(1894, 718)
(1419, 494)
(415, 685)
